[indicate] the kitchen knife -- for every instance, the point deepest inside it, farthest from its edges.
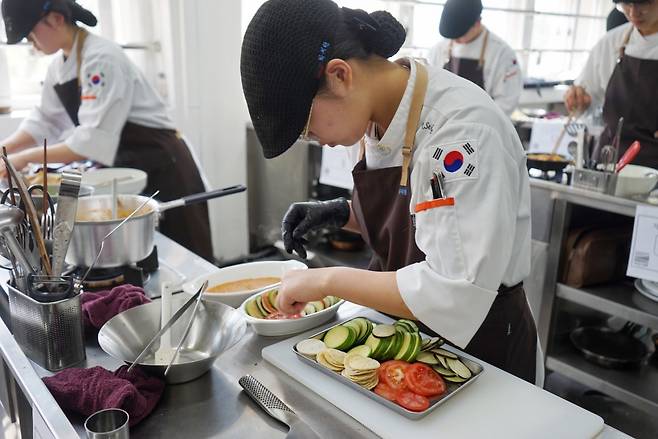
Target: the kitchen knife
(276, 408)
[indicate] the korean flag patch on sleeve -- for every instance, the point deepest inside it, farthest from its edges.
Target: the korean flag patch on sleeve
(456, 161)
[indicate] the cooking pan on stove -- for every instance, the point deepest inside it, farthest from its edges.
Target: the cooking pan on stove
(546, 161)
(131, 243)
(609, 348)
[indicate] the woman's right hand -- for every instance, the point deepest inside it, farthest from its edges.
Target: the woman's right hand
(304, 217)
(577, 99)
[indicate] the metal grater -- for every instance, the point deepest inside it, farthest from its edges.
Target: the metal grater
(267, 400)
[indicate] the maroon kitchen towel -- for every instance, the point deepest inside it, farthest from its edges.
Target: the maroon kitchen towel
(99, 307)
(86, 391)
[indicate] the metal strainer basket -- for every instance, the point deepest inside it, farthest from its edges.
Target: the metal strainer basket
(51, 334)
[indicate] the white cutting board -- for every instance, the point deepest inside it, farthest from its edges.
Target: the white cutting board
(497, 405)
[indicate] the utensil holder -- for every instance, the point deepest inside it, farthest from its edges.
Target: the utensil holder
(595, 181)
(50, 334)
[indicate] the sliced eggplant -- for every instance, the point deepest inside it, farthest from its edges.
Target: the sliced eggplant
(459, 368)
(383, 331)
(455, 379)
(445, 353)
(443, 371)
(427, 358)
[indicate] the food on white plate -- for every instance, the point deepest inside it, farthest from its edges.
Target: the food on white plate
(243, 285)
(310, 347)
(263, 306)
(391, 360)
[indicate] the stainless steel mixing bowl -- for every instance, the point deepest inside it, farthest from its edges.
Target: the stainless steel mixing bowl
(217, 327)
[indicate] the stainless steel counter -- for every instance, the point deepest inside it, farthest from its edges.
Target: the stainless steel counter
(210, 406)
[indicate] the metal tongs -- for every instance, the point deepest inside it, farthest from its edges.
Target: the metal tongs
(177, 315)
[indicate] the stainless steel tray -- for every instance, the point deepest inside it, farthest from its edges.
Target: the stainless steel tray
(451, 388)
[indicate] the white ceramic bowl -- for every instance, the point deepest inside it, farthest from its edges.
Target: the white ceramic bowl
(634, 180)
(129, 181)
(274, 328)
(249, 270)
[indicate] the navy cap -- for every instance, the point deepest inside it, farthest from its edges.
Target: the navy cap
(21, 16)
(458, 17)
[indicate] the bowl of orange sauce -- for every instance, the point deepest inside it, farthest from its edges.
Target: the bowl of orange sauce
(232, 285)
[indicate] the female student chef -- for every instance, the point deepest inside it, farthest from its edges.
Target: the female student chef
(102, 106)
(441, 191)
(621, 74)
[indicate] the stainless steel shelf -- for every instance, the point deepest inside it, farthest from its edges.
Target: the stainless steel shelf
(620, 299)
(636, 387)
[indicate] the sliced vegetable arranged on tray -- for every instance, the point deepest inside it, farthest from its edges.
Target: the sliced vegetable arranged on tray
(392, 360)
(263, 306)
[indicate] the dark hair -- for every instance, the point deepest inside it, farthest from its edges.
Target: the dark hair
(360, 35)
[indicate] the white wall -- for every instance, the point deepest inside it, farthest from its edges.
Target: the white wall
(201, 42)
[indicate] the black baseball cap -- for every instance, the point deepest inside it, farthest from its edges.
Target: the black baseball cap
(21, 16)
(458, 17)
(284, 52)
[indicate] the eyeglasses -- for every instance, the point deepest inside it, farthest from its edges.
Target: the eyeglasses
(304, 135)
(642, 7)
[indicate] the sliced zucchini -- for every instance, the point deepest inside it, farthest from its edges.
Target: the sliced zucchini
(361, 350)
(253, 310)
(431, 343)
(375, 344)
(414, 348)
(402, 326)
(443, 371)
(427, 358)
(383, 331)
(410, 324)
(340, 337)
(459, 368)
(390, 351)
(407, 343)
(272, 295)
(445, 353)
(261, 308)
(319, 305)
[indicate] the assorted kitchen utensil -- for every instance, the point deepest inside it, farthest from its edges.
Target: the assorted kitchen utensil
(216, 329)
(67, 206)
(134, 241)
(168, 325)
(31, 212)
(187, 328)
(628, 156)
(276, 408)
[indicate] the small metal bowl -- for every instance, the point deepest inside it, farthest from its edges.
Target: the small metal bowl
(217, 327)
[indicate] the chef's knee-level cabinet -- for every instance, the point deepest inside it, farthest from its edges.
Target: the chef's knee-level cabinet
(555, 208)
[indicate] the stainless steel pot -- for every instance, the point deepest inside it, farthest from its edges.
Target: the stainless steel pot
(133, 242)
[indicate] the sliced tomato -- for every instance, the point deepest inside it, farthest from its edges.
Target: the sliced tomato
(421, 379)
(281, 316)
(386, 391)
(412, 401)
(392, 374)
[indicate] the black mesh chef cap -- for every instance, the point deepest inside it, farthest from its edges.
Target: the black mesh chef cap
(284, 52)
(21, 16)
(458, 17)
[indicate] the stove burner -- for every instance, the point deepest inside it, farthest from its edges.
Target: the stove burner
(107, 278)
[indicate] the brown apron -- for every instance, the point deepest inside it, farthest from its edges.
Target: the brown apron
(471, 69)
(508, 337)
(632, 93)
(167, 160)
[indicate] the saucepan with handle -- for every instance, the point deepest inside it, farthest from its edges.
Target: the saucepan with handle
(134, 241)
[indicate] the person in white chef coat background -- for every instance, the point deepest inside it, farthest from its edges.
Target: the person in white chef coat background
(472, 51)
(621, 75)
(98, 104)
(447, 215)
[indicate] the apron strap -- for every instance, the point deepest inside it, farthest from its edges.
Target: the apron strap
(81, 38)
(417, 99)
(484, 48)
(627, 38)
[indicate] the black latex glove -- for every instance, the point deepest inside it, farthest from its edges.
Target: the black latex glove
(303, 217)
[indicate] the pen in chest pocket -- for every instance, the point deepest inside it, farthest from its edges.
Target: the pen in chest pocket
(436, 183)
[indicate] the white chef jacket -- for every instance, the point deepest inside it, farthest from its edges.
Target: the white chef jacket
(482, 241)
(603, 59)
(114, 92)
(503, 79)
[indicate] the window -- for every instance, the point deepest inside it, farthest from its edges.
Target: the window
(552, 37)
(120, 20)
